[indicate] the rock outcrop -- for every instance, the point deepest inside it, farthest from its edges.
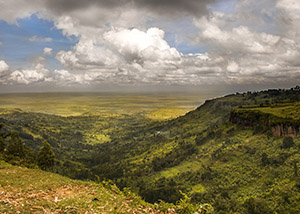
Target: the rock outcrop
(285, 130)
(283, 127)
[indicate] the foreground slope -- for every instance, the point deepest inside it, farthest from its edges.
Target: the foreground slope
(25, 190)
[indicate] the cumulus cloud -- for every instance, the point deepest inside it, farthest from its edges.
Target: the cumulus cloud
(87, 55)
(135, 45)
(237, 39)
(132, 56)
(3, 66)
(27, 76)
(118, 42)
(120, 48)
(252, 54)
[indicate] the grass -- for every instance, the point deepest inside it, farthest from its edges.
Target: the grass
(185, 166)
(25, 190)
(169, 113)
(198, 188)
(97, 138)
(286, 110)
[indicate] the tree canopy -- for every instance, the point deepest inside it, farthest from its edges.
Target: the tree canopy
(46, 157)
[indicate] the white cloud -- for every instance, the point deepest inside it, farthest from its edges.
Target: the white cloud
(118, 42)
(12, 10)
(47, 51)
(39, 39)
(118, 48)
(233, 67)
(132, 56)
(27, 76)
(288, 18)
(135, 45)
(289, 4)
(239, 38)
(88, 55)
(3, 66)
(252, 55)
(64, 76)
(68, 25)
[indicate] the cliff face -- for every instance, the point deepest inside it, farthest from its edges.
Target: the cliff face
(285, 130)
(280, 127)
(250, 119)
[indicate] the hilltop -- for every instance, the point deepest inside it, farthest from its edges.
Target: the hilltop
(281, 119)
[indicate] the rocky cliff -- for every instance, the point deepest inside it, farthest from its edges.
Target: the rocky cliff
(285, 130)
(285, 127)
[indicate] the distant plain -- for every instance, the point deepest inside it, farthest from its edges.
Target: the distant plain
(157, 106)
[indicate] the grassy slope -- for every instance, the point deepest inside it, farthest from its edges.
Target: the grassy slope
(34, 191)
(285, 110)
(268, 116)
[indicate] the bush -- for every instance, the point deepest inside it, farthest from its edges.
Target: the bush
(15, 146)
(2, 145)
(287, 143)
(46, 157)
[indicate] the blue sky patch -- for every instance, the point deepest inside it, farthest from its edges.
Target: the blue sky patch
(17, 47)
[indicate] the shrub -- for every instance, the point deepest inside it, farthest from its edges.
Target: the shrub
(46, 157)
(287, 143)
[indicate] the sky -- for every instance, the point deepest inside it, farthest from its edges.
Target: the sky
(141, 45)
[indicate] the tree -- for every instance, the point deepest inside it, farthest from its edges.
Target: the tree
(46, 157)
(295, 169)
(287, 143)
(29, 155)
(2, 145)
(256, 206)
(15, 146)
(264, 159)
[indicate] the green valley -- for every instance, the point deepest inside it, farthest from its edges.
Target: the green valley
(226, 153)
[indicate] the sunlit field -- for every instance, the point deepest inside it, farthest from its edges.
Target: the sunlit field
(154, 106)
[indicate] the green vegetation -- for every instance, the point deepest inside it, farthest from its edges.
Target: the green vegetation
(282, 110)
(46, 157)
(15, 146)
(222, 155)
(25, 190)
(283, 119)
(2, 145)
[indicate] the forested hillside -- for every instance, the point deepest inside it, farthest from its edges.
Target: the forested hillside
(225, 153)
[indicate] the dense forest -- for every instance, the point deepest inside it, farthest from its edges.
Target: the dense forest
(238, 153)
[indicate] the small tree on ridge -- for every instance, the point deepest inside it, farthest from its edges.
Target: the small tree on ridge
(15, 146)
(46, 157)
